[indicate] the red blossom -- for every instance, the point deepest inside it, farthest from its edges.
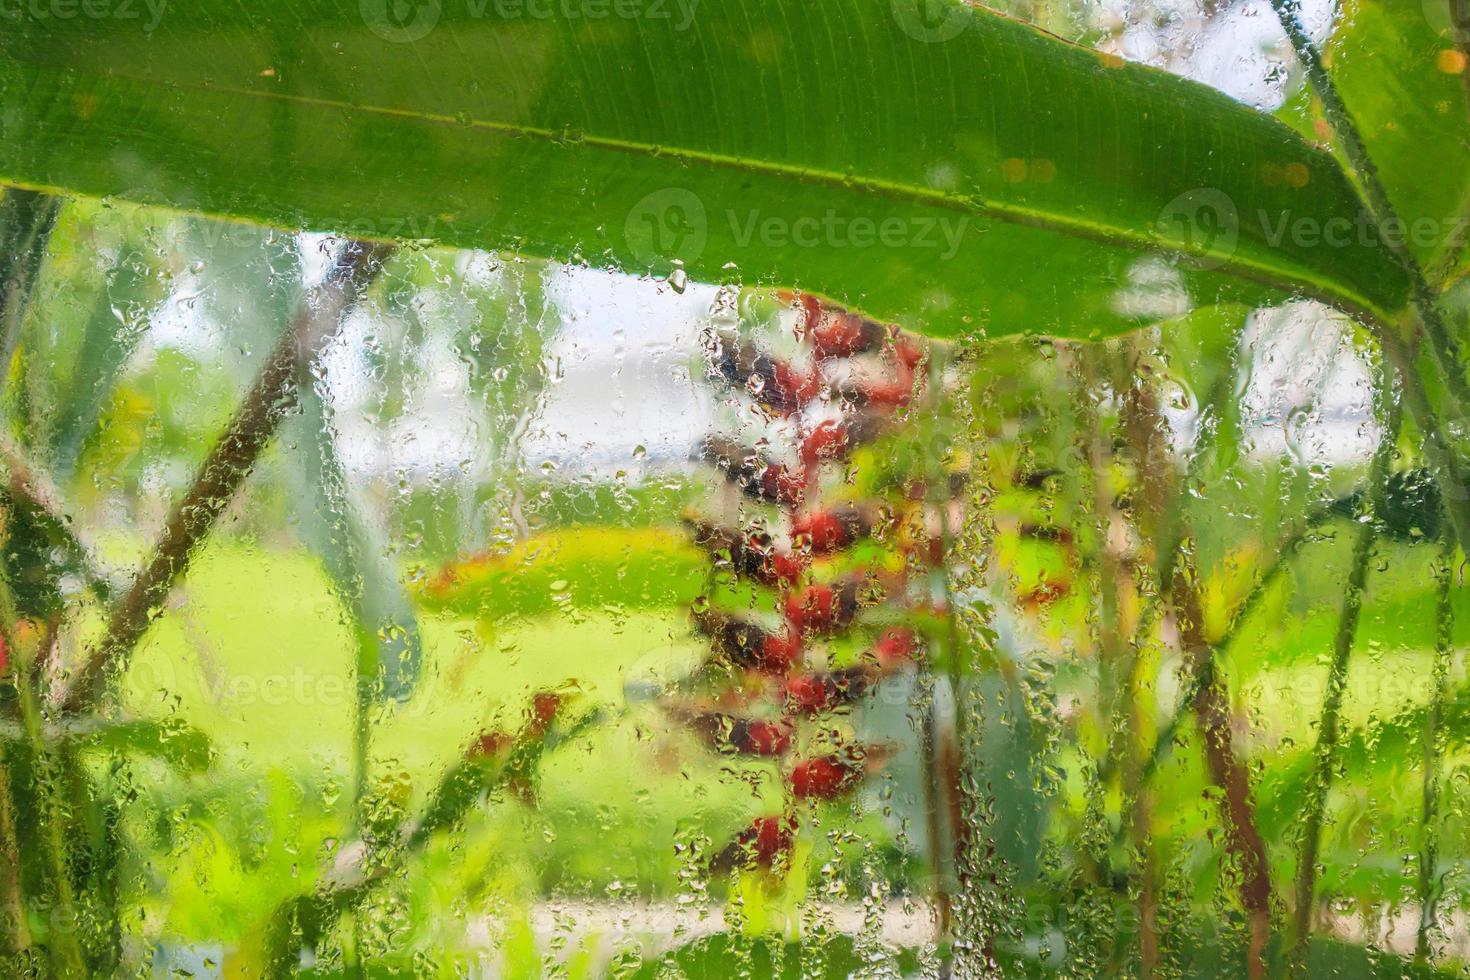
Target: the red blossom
(896, 647)
(811, 694)
(822, 608)
(765, 842)
(747, 645)
(745, 736)
(825, 531)
(825, 778)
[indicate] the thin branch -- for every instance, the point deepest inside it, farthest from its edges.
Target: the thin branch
(1428, 884)
(1342, 648)
(1212, 708)
(269, 400)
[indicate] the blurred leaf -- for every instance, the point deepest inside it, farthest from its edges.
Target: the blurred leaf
(634, 568)
(108, 338)
(356, 555)
(1004, 763)
(1204, 349)
(171, 741)
(39, 551)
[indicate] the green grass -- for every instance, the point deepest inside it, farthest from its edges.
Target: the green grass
(255, 654)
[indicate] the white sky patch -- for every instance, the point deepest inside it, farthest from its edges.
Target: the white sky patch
(440, 430)
(1241, 51)
(1307, 392)
(626, 375)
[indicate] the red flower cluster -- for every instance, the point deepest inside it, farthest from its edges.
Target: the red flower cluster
(775, 656)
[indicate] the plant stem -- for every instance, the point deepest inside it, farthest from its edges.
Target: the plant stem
(1138, 764)
(934, 828)
(1342, 648)
(1211, 705)
(1428, 890)
(1120, 661)
(962, 808)
(62, 934)
(269, 400)
(1376, 200)
(61, 937)
(1284, 553)
(16, 935)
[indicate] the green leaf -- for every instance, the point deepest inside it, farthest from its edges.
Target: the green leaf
(173, 742)
(1402, 73)
(108, 340)
(940, 165)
